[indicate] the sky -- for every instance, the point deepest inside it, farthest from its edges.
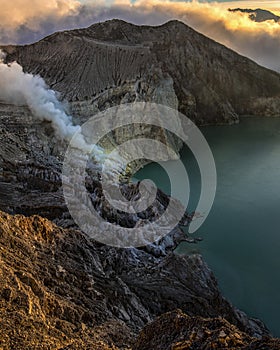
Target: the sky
(27, 21)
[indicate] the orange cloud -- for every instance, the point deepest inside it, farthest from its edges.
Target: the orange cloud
(265, 4)
(19, 12)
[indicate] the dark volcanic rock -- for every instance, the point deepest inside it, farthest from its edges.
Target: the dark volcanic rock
(114, 62)
(178, 331)
(31, 160)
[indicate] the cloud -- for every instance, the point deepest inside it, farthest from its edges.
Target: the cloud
(19, 15)
(259, 41)
(272, 5)
(18, 12)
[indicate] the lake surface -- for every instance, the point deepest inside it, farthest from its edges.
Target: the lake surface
(241, 236)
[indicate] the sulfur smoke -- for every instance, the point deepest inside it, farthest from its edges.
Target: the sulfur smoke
(19, 88)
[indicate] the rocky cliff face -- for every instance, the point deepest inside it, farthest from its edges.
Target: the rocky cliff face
(61, 290)
(136, 284)
(115, 61)
(31, 160)
(178, 331)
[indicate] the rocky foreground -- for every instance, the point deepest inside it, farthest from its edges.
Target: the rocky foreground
(60, 290)
(177, 331)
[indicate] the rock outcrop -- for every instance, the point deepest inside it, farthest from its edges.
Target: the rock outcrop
(31, 160)
(115, 62)
(61, 290)
(178, 331)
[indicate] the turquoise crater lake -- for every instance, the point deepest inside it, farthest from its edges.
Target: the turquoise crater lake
(241, 236)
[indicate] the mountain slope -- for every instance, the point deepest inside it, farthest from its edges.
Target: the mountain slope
(108, 61)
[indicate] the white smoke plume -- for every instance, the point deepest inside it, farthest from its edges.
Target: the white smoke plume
(19, 88)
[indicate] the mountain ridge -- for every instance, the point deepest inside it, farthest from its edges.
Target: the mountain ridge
(213, 84)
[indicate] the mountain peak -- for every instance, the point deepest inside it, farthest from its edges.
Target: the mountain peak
(211, 82)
